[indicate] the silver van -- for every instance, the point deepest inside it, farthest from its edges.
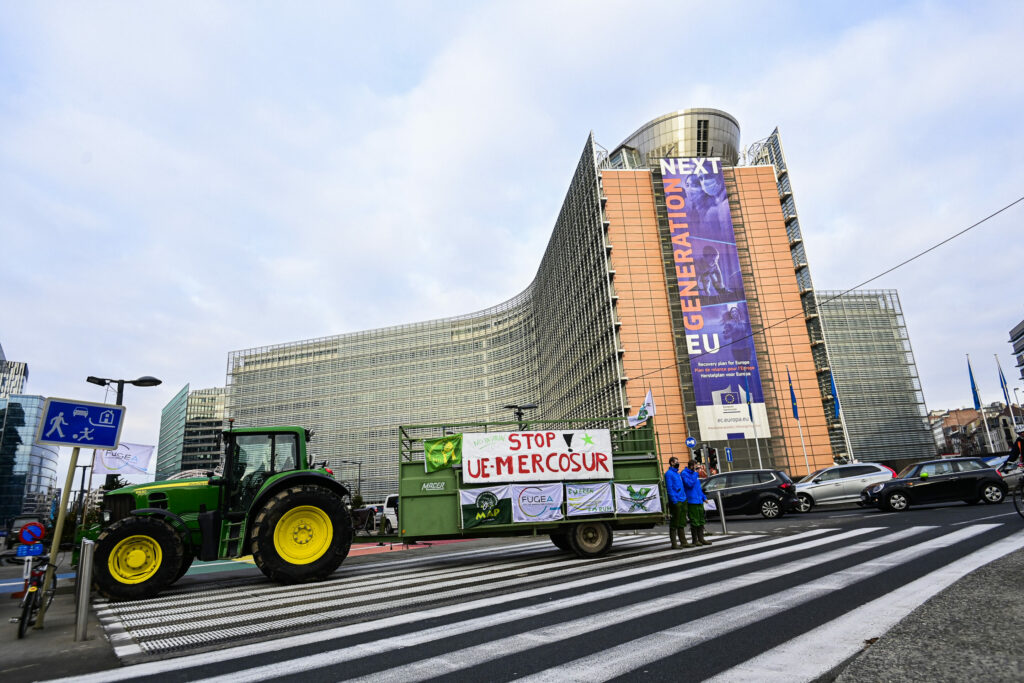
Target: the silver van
(839, 484)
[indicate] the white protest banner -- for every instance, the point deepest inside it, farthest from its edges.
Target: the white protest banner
(589, 499)
(537, 503)
(493, 457)
(126, 459)
(637, 499)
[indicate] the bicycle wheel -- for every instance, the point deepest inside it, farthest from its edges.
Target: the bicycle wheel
(1018, 498)
(28, 613)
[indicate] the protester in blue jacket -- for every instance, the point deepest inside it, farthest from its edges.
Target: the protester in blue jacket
(677, 504)
(694, 503)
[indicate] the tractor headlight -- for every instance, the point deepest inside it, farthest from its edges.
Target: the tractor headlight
(876, 488)
(106, 516)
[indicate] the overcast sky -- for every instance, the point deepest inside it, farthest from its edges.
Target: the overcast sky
(180, 180)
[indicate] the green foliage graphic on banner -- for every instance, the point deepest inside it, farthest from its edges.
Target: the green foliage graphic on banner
(482, 507)
(439, 454)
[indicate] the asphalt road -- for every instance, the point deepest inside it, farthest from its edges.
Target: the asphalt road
(790, 599)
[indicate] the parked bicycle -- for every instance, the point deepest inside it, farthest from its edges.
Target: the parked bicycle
(32, 601)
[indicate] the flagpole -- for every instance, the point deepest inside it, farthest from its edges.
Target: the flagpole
(796, 415)
(977, 404)
(1006, 393)
(750, 412)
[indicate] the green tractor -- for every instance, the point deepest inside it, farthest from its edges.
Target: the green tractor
(269, 502)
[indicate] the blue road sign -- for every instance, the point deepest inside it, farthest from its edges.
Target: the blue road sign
(728, 454)
(690, 442)
(31, 550)
(67, 422)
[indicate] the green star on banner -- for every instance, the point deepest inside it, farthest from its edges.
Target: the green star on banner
(439, 454)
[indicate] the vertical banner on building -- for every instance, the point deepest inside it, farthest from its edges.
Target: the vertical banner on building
(714, 306)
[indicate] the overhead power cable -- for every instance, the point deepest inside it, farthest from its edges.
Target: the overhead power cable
(855, 287)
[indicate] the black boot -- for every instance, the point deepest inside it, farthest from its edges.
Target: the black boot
(700, 536)
(672, 535)
(681, 533)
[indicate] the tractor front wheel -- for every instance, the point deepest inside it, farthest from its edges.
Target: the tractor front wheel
(136, 558)
(302, 534)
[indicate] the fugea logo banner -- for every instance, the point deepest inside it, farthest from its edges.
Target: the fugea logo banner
(536, 502)
(486, 506)
(726, 378)
(555, 455)
(587, 498)
(637, 499)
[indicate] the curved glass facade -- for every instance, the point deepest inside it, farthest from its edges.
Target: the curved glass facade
(28, 473)
(554, 344)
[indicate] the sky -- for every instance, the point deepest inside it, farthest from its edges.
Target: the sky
(179, 180)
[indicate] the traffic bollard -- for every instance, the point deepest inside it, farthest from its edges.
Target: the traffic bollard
(83, 589)
(721, 511)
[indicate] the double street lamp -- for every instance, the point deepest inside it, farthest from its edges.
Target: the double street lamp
(518, 410)
(359, 481)
(144, 381)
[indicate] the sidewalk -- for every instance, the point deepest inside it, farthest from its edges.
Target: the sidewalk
(51, 652)
(968, 632)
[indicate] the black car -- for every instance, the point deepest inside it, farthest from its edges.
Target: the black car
(938, 481)
(770, 493)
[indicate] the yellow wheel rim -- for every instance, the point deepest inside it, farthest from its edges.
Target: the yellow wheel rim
(303, 535)
(135, 559)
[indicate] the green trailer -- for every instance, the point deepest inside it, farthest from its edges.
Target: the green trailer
(454, 502)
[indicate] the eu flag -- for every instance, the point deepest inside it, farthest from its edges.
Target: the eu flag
(792, 395)
(974, 386)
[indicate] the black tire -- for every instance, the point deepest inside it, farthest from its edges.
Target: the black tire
(136, 539)
(1018, 499)
(386, 527)
(992, 493)
(186, 561)
(897, 501)
(28, 613)
(805, 503)
(771, 508)
(304, 549)
(590, 539)
(561, 541)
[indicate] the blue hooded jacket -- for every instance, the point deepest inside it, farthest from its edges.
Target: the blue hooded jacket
(691, 483)
(674, 484)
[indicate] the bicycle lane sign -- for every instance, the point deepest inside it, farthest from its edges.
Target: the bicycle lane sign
(67, 422)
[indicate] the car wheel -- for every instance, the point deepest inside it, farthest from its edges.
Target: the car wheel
(897, 501)
(805, 503)
(387, 528)
(992, 493)
(771, 508)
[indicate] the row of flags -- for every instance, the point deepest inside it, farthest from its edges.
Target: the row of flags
(974, 385)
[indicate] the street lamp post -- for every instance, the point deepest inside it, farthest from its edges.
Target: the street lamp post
(518, 411)
(144, 381)
(359, 480)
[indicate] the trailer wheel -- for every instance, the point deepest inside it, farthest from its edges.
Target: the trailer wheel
(561, 540)
(136, 558)
(302, 534)
(590, 539)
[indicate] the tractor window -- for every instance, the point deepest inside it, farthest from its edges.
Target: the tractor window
(250, 468)
(286, 456)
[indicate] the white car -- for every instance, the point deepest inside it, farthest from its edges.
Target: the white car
(387, 521)
(839, 484)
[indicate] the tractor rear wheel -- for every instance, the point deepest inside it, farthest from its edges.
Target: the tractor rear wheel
(302, 534)
(136, 558)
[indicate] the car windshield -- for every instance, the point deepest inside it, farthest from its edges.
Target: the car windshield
(907, 471)
(812, 475)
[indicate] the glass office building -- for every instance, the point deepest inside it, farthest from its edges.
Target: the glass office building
(28, 473)
(172, 435)
(872, 362)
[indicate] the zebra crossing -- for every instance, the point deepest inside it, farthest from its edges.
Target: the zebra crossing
(526, 610)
